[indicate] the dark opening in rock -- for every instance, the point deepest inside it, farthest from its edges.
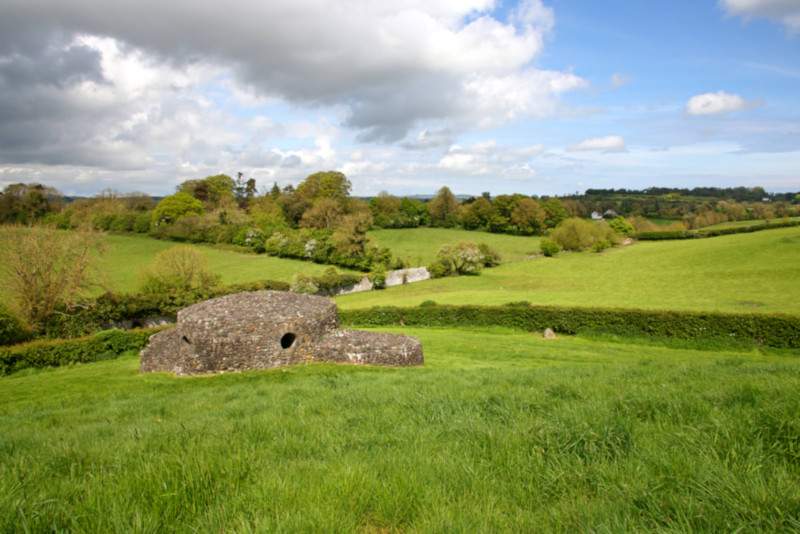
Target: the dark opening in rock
(186, 340)
(287, 340)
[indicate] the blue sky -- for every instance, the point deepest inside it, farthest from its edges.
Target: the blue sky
(537, 97)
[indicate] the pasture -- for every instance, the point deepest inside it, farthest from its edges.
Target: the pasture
(756, 272)
(128, 254)
(499, 431)
(420, 245)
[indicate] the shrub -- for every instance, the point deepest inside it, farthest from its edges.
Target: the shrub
(622, 227)
(579, 234)
(11, 328)
(601, 245)
(442, 266)
(303, 283)
(427, 303)
(177, 270)
(491, 257)
(549, 247)
(378, 277)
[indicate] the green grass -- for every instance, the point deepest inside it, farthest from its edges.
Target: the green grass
(128, 254)
(499, 431)
(755, 272)
(420, 245)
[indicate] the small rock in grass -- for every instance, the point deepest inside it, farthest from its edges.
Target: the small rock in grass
(549, 334)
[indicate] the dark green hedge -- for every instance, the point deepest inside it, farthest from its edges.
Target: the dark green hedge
(712, 232)
(53, 353)
(773, 330)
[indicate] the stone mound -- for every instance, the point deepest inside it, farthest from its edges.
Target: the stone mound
(266, 329)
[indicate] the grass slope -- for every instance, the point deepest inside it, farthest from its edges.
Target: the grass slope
(420, 245)
(128, 254)
(755, 272)
(500, 431)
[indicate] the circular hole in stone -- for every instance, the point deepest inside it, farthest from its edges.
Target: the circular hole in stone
(287, 340)
(186, 340)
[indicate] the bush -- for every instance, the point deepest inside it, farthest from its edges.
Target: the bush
(549, 247)
(427, 303)
(622, 227)
(11, 328)
(579, 234)
(304, 283)
(378, 277)
(442, 266)
(601, 245)
(178, 269)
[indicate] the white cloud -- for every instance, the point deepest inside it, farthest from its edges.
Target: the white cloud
(608, 143)
(718, 103)
(787, 12)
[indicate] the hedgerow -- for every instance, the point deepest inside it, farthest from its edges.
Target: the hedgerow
(711, 232)
(53, 353)
(774, 330)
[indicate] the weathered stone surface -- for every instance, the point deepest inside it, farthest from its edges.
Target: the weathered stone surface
(265, 329)
(548, 334)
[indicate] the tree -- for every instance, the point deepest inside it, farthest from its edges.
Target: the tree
(47, 270)
(477, 214)
(329, 184)
(444, 208)
(175, 207)
(528, 216)
(178, 269)
(555, 212)
(325, 213)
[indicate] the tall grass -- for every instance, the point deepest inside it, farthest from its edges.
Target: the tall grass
(499, 431)
(739, 273)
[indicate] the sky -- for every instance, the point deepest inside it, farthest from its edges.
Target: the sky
(540, 97)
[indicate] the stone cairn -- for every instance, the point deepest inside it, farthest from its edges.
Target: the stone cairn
(267, 329)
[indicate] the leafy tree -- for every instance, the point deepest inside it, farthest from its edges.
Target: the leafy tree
(325, 213)
(46, 270)
(529, 217)
(477, 214)
(555, 212)
(444, 209)
(329, 184)
(350, 239)
(244, 190)
(178, 269)
(174, 207)
(549, 247)
(26, 203)
(210, 190)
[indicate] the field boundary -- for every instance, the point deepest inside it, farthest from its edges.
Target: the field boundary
(772, 330)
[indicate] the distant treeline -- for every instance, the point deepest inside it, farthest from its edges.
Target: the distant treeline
(739, 194)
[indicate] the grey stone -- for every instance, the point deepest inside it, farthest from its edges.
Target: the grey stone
(267, 329)
(548, 334)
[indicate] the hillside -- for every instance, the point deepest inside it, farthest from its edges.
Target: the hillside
(739, 273)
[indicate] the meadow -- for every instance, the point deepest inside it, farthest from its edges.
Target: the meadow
(127, 255)
(499, 431)
(750, 273)
(420, 245)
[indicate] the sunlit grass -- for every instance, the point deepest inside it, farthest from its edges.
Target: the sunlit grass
(755, 272)
(499, 431)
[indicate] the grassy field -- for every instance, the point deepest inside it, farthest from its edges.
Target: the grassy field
(756, 272)
(499, 431)
(741, 224)
(420, 245)
(128, 254)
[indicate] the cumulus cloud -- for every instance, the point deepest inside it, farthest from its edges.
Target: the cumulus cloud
(390, 65)
(718, 103)
(787, 12)
(487, 158)
(608, 143)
